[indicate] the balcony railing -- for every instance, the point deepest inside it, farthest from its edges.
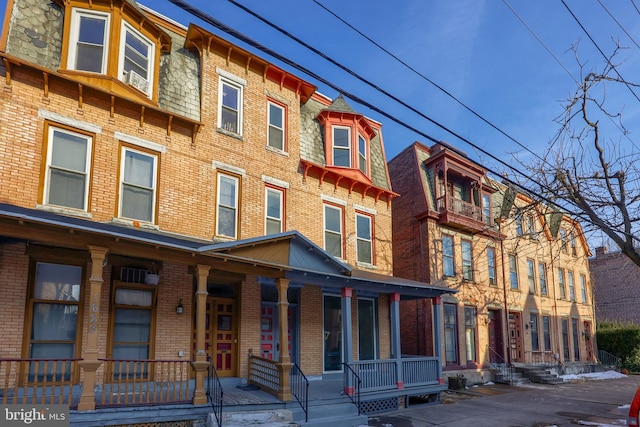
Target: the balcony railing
(459, 207)
(141, 382)
(38, 381)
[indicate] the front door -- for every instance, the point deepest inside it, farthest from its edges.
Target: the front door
(588, 340)
(515, 336)
(221, 335)
(496, 354)
(270, 345)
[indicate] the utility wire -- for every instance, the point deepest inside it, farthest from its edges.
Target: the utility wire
(240, 36)
(443, 90)
(619, 24)
(635, 7)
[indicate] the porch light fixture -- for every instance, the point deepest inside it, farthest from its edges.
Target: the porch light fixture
(179, 307)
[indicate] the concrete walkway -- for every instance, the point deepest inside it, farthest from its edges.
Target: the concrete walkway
(593, 403)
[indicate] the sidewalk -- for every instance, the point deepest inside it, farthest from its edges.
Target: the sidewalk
(595, 403)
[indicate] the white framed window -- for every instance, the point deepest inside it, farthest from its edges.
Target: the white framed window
(563, 292)
(583, 287)
(341, 146)
(68, 169)
(274, 210)
(491, 263)
(448, 265)
(467, 259)
(230, 106)
(542, 274)
(333, 241)
(572, 286)
(364, 238)
(513, 272)
(136, 59)
(138, 183)
(89, 41)
(486, 208)
(276, 131)
(362, 154)
(531, 275)
(227, 206)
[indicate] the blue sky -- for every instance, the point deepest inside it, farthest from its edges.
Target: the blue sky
(479, 51)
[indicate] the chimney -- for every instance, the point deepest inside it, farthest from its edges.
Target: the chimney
(600, 251)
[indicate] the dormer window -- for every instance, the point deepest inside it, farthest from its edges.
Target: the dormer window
(342, 146)
(115, 47)
(362, 154)
(88, 46)
(136, 59)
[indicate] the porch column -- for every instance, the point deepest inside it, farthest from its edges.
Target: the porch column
(200, 363)
(437, 335)
(284, 360)
(396, 350)
(90, 363)
(347, 337)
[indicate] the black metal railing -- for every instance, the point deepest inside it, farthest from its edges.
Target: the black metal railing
(500, 366)
(608, 359)
(352, 383)
(300, 389)
(215, 392)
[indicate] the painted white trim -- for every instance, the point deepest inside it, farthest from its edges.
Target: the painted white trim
(232, 77)
(228, 168)
(64, 120)
(365, 209)
(274, 181)
(334, 200)
(143, 143)
(64, 211)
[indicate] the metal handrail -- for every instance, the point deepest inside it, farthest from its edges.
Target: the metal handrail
(608, 359)
(506, 368)
(300, 389)
(358, 382)
(215, 392)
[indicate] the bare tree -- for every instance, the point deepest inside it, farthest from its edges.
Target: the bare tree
(591, 166)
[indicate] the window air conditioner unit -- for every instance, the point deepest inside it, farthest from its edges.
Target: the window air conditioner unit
(136, 80)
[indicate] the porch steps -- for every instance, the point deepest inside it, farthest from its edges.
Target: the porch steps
(516, 378)
(539, 374)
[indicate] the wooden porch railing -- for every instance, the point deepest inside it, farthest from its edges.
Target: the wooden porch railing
(39, 381)
(376, 374)
(142, 382)
(382, 374)
(420, 370)
(264, 372)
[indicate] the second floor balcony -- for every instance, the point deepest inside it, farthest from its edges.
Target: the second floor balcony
(460, 214)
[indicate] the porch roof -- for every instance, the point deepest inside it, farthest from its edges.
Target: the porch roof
(290, 252)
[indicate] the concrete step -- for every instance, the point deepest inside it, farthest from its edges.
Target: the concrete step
(267, 418)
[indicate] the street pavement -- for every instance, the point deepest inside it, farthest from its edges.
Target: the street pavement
(593, 403)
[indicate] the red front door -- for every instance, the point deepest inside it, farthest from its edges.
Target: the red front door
(496, 354)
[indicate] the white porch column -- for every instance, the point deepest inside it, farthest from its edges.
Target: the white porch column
(437, 334)
(396, 350)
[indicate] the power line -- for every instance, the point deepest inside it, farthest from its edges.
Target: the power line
(240, 36)
(619, 24)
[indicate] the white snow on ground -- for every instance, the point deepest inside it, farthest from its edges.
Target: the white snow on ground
(607, 375)
(589, 423)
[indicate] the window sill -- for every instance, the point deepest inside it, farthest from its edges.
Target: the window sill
(276, 151)
(135, 223)
(64, 211)
(366, 265)
(229, 133)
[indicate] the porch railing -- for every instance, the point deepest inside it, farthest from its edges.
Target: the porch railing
(420, 370)
(38, 381)
(264, 372)
(215, 392)
(376, 374)
(300, 389)
(141, 382)
(352, 378)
